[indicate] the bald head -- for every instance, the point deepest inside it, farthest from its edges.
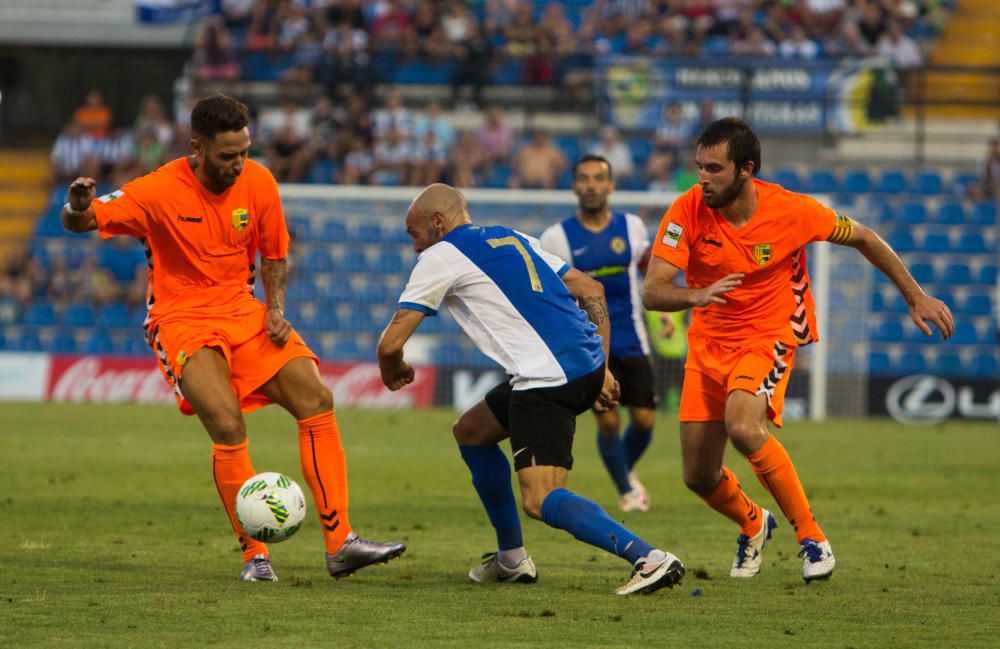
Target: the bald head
(435, 212)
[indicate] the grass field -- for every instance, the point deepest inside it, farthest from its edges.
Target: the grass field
(114, 537)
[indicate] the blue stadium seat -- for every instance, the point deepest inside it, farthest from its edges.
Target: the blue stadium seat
(988, 275)
(922, 272)
(336, 292)
(977, 304)
(960, 182)
(570, 147)
(302, 289)
(99, 343)
(879, 210)
(397, 236)
(972, 243)
(879, 363)
(3, 343)
(332, 231)
(892, 181)
(928, 183)
(856, 181)
(877, 302)
(322, 320)
(936, 242)
(300, 229)
(321, 172)
(79, 314)
(985, 365)
(375, 292)
(985, 213)
(389, 261)
(346, 349)
(965, 333)
(39, 314)
(947, 365)
(950, 212)
(318, 260)
(354, 260)
(890, 331)
(63, 342)
(822, 181)
(787, 178)
(360, 319)
(448, 354)
(131, 346)
(902, 241)
(912, 363)
(29, 342)
(988, 335)
(641, 149)
(957, 274)
(498, 176)
(912, 212)
(367, 233)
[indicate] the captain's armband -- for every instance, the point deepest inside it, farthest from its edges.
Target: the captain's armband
(843, 230)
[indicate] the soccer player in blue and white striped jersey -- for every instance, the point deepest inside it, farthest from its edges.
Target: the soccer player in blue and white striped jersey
(547, 325)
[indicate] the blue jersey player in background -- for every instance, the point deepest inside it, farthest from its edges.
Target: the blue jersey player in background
(612, 248)
(547, 325)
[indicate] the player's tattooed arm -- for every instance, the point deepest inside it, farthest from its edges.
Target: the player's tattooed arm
(274, 273)
(596, 308)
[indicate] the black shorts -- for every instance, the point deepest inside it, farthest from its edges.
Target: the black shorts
(542, 421)
(635, 378)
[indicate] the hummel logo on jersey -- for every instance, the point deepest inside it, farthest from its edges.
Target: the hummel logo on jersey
(189, 219)
(744, 376)
(712, 242)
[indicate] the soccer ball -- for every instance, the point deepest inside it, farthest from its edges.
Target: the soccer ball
(270, 507)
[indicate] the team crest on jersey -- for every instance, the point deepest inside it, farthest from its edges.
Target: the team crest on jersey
(762, 253)
(182, 358)
(107, 198)
(618, 245)
(241, 218)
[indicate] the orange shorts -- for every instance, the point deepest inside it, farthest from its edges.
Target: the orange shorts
(713, 370)
(252, 358)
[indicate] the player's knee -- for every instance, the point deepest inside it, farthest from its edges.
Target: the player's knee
(532, 505)
(700, 482)
(323, 399)
(465, 433)
(226, 428)
(747, 436)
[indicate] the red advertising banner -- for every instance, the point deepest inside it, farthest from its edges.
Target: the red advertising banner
(117, 379)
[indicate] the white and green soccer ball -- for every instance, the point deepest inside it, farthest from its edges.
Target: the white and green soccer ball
(270, 507)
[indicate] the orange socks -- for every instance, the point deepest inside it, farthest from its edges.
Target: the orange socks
(231, 467)
(776, 472)
(729, 500)
(325, 469)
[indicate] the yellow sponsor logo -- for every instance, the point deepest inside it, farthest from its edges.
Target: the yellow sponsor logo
(241, 218)
(182, 358)
(762, 253)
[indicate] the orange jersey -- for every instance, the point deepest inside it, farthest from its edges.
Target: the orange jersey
(774, 301)
(201, 246)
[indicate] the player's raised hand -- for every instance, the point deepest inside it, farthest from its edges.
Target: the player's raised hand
(610, 393)
(712, 293)
(278, 329)
(399, 376)
(81, 192)
(929, 309)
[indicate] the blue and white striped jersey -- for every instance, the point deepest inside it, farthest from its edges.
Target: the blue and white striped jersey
(507, 294)
(612, 257)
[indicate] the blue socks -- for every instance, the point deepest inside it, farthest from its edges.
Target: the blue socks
(613, 453)
(587, 522)
(491, 478)
(635, 442)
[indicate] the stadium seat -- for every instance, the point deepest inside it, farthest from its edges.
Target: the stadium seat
(448, 354)
(321, 172)
(322, 320)
(985, 213)
(397, 236)
(902, 241)
(879, 210)
(29, 342)
(965, 334)
(956, 274)
(928, 183)
(99, 343)
(300, 229)
(498, 176)
(641, 149)
(947, 365)
(332, 231)
(988, 275)
(961, 181)
(302, 289)
(950, 212)
(360, 319)
(570, 147)
(879, 363)
(39, 314)
(936, 242)
(892, 181)
(877, 303)
(787, 178)
(912, 212)
(3, 343)
(63, 342)
(856, 181)
(353, 260)
(890, 331)
(336, 292)
(822, 181)
(367, 233)
(345, 349)
(922, 272)
(977, 304)
(972, 243)
(985, 365)
(375, 292)
(318, 261)
(131, 346)
(79, 314)
(912, 363)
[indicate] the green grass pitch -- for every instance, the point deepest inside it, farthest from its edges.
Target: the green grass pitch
(114, 537)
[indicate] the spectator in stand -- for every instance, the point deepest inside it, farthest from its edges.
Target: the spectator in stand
(429, 37)
(428, 158)
(215, 57)
(262, 35)
(116, 157)
(494, 138)
(848, 42)
(616, 15)
(753, 43)
(660, 169)
(538, 163)
(466, 159)
(392, 158)
(94, 116)
(358, 163)
(991, 170)
(326, 124)
(393, 117)
(287, 136)
(798, 45)
(122, 261)
(499, 14)
(346, 58)
(152, 117)
(899, 48)
(150, 153)
(521, 32)
(389, 27)
(433, 120)
(73, 153)
(457, 22)
(611, 147)
(23, 276)
(872, 22)
(674, 133)
(823, 17)
(473, 65)
(639, 39)
(307, 58)
(237, 14)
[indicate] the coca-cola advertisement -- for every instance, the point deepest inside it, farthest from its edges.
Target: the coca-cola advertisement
(121, 379)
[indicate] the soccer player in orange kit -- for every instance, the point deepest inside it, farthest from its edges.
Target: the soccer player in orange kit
(202, 220)
(741, 244)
